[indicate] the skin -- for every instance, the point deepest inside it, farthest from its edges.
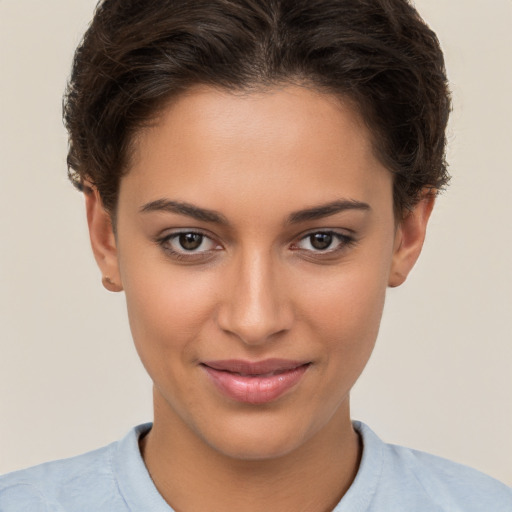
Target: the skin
(255, 289)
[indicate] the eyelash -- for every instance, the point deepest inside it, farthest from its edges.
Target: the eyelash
(344, 241)
(184, 255)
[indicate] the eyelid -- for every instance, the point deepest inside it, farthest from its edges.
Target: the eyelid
(345, 239)
(164, 239)
(168, 233)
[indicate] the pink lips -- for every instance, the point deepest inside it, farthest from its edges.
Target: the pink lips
(255, 383)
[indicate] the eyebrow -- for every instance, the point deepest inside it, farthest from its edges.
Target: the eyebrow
(202, 214)
(206, 215)
(326, 210)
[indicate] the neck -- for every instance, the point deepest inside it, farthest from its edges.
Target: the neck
(192, 476)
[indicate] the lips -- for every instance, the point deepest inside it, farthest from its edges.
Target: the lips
(255, 382)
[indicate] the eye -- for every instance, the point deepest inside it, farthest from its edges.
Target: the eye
(185, 244)
(190, 241)
(320, 241)
(323, 242)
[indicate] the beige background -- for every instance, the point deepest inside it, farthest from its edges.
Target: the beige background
(441, 377)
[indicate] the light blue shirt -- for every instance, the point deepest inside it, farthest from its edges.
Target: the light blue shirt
(390, 479)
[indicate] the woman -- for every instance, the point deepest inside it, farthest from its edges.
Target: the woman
(256, 173)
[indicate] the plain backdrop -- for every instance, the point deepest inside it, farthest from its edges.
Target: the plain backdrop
(440, 379)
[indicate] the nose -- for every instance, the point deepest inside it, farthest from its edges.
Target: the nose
(255, 306)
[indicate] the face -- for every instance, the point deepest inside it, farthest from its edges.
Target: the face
(255, 241)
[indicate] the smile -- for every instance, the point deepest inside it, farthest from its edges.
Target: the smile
(255, 383)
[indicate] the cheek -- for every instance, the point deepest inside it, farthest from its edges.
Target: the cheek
(345, 312)
(167, 308)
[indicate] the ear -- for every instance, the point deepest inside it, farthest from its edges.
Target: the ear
(103, 240)
(409, 239)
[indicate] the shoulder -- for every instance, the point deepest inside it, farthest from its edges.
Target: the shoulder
(430, 482)
(451, 483)
(47, 486)
(74, 484)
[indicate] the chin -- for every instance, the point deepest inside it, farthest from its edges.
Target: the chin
(264, 435)
(261, 446)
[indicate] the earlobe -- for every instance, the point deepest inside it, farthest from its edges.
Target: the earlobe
(409, 239)
(103, 240)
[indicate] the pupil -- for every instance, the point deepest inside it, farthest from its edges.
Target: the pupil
(191, 241)
(321, 241)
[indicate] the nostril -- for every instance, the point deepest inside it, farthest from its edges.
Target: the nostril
(255, 308)
(252, 327)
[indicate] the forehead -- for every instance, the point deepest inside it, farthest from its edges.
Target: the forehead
(285, 114)
(280, 143)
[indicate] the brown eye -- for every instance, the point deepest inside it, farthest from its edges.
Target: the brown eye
(191, 244)
(321, 241)
(190, 241)
(324, 243)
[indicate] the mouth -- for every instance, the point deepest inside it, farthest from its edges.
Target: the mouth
(255, 382)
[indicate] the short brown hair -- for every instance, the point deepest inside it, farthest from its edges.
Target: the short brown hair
(380, 54)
